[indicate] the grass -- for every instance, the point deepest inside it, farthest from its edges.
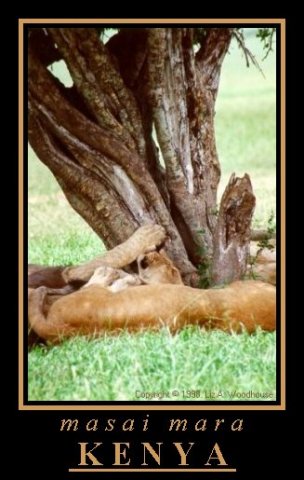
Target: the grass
(116, 367)
(120, 368)
(245, 124)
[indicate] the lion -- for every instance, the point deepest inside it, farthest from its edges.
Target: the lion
(50, 277)
(156, 267)
(113, 279)
(266, 272)
(264, 264)
(157, 297)
(145, 239)
(242, 305)
(153, 267)
(70, 278)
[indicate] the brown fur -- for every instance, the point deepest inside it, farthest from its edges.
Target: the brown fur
(156, 267)
(266, 256)
(266, 272)
(144, 239)
(95, 309)
(113, 279)
(51, 277)
(50, 298)
(153, 267)
(264, 264)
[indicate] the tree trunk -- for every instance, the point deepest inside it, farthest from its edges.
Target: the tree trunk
(232, 235)
(96, 137)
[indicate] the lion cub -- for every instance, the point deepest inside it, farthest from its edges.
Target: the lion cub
(153, 267)
(156, 267)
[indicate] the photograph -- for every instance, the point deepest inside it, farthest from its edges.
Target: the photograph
(154, 213)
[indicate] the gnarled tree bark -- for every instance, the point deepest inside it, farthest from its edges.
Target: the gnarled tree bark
(96, 137)
(232, 234)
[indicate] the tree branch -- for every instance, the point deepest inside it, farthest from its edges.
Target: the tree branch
(95, 76)
(100, 207)
(129, 50)
(43, 46)
(257, 235)
(183, 110)
(211, 54)
(82, 139)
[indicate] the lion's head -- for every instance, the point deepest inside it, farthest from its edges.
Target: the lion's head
(156, 267)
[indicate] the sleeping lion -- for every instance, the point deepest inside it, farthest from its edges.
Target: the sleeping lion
(157, 297)
(70, 278)
(96, 310)
(153, 267)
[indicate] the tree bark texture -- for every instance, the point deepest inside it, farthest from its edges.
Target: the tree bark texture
(96, 137)
(232, 235)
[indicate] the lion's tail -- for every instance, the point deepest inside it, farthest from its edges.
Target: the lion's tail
(37, 320)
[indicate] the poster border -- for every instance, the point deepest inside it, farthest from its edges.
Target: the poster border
(281, 22)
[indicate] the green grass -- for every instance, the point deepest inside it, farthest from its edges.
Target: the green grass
(115, 367)
(245, 124)
(126, 366)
